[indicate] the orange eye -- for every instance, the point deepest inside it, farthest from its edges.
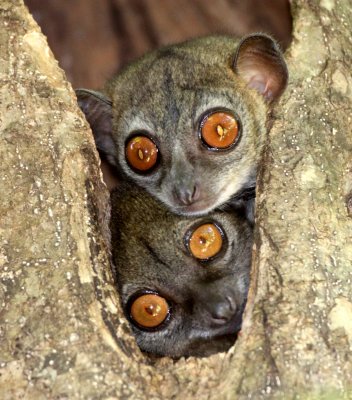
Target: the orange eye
(219, 130)
(149, 310)
(141, 153)
(205, 242)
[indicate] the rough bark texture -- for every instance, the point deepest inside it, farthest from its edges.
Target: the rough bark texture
(62, 335)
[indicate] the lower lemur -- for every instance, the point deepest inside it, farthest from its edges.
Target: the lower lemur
(183, 281)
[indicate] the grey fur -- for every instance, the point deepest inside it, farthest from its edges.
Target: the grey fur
(167, 91)
(149, 253)
(165, 94)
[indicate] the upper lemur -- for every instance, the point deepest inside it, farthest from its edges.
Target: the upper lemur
(183, 281)
(188, 122)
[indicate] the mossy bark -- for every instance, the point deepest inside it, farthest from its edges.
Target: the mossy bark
(62, 334)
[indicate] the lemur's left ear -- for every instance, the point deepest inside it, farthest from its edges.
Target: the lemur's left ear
(260, 63)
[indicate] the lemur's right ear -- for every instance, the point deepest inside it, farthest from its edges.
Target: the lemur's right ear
(98, 111)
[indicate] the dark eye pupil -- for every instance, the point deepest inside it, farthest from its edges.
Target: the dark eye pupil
(153, 309)
(202, 240)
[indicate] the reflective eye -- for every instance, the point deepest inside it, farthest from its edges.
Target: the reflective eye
(205, 241)
(149, 310)
(141, 153)
(219, 130)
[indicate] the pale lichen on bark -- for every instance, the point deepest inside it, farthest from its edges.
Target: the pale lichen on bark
(62, 334)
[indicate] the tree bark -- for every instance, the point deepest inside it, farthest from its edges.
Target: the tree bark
(62, 333)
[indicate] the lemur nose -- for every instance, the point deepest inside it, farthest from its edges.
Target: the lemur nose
(223, 311)
(187, 194)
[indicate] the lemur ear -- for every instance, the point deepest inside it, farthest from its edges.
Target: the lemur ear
(260, 63)
(98, 111)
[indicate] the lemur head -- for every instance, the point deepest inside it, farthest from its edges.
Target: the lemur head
(188, 122)
(183, 280)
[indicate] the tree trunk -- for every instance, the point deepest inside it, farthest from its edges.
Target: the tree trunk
(62, 333)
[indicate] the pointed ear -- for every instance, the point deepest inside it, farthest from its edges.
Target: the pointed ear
(260, 63)
(98, 111)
